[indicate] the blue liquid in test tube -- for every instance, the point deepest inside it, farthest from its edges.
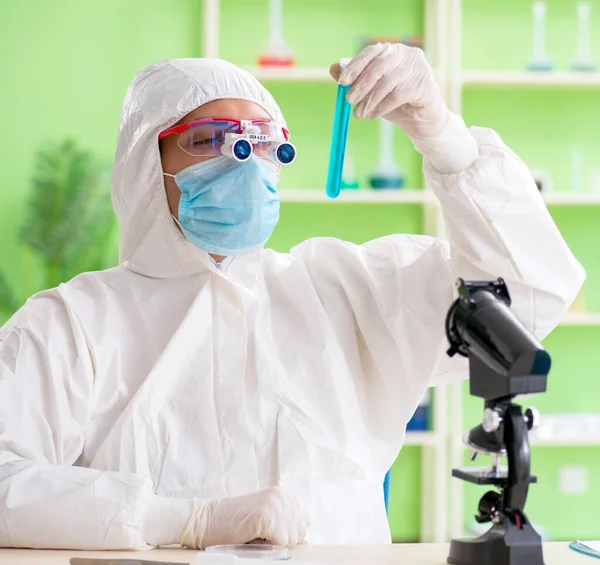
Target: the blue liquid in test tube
(341, 118)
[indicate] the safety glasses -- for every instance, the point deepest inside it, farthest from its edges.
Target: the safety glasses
(238, 139)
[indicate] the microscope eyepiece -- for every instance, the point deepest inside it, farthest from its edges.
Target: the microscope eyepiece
(509, 359)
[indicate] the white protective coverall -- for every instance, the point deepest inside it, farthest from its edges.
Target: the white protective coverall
(167, 378)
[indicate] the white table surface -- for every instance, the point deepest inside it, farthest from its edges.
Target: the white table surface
(396, 554)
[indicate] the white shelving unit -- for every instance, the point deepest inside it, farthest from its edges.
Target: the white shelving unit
(582, 319)
(565, 441)
(302, 74)
(572, 199)
(422, 439)
(305, 74)
(441, 495)
(433, 444)
(415, 196)
(404, 196)
(460, 79)
(528, 78)
(537, 441)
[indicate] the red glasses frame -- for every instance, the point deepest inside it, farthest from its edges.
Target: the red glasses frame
(178, 130)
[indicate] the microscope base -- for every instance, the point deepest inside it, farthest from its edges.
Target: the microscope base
(503, 544)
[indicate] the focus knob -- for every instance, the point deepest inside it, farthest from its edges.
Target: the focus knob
(491, 420)
(532, 418)
(488, 507)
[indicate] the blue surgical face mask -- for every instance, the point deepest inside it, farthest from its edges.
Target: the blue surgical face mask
(227, 207)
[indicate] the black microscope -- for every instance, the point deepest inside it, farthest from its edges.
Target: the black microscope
(505, 360)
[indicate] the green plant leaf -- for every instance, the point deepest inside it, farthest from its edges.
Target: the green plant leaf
(61, 174)
(9, 303)
(70, 220)
(90, 247)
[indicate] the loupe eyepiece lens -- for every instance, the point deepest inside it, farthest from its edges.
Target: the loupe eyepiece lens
(241, 150)
(285, 153)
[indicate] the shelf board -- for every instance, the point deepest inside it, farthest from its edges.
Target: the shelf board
(416, 196)
(572, 198)
(529, 78)
(309, 74)
(302, 74)
(581, 319)
(421, 438)
(536, 441)
(400, 196)
(565, 441)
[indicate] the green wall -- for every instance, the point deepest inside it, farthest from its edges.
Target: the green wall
(66, 66)
(497, 35)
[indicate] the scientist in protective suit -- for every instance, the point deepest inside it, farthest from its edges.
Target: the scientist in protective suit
(210, 391)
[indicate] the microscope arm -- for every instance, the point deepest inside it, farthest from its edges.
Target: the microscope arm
(519, 460)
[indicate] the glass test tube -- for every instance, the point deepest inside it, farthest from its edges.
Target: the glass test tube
(341, 119)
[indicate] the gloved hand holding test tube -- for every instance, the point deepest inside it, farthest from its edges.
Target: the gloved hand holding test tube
(408, 97)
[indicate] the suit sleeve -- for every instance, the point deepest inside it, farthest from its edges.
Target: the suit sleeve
(46, 396)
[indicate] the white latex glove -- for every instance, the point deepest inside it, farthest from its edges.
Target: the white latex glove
(395, 82)
(270, 515)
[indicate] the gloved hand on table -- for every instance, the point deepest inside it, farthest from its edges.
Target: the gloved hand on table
(271, 515)
(395, 82)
